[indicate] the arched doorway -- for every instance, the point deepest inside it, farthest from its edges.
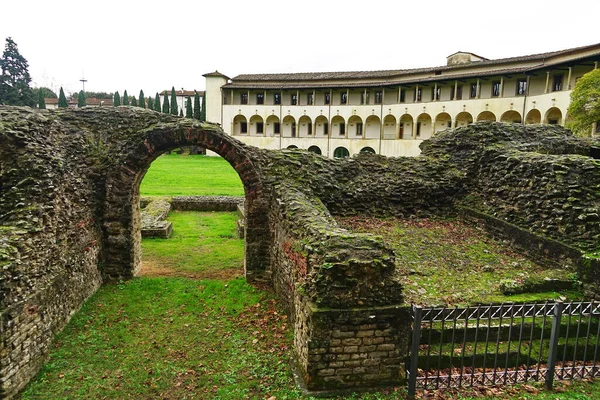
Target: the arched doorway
(463, 119)
(321, 125)
(289, 126)
(553, 116)
(355, 127)
(511, 116)
(240, 125)
(121, 218)
(305, 127)
(442, 121)
(533, 117)
(423, 126)
(389, 127)
(257, 125)
(373, 130)
(405, 130)
(341, 152)
(487, 116)
(338, 126)
(315, 149)
(273, 126)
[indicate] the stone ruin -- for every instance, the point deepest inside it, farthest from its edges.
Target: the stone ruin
(70, 222)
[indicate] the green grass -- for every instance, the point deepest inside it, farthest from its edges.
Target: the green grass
(202, 244)
(185, 175)
(447, 262)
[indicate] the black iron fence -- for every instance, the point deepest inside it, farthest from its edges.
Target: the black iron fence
(503, 344)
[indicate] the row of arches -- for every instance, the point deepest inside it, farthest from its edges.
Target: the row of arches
(405, 127)
(339, 152)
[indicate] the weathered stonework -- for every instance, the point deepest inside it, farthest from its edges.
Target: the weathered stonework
(69, 220)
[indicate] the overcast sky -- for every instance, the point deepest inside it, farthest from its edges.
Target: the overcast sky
(154, 45)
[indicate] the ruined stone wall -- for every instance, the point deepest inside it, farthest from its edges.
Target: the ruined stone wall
(50, 239)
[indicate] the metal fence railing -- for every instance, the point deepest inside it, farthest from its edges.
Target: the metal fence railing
(503, 344)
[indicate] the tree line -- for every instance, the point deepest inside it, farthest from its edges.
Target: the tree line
(15, 90)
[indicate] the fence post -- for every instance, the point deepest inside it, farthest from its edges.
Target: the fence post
(414, 352)
(554, 334)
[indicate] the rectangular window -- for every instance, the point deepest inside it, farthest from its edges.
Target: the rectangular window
(473, 91)
(327, 98)
(362, 98)
(459, 92)
(325, 129)
(359, 129)
(309, 99)
(260, 127)
(243, 127)
(294, 99)
(277, 98)
(342, 129)
(495, 88)
(435, 93)
(244, 98)
(418, 94)
(402, 95)
(309, 129)
(293, 129)
(521, 87)
(260, 98)
(343, 98)
(418, 129)
(557, 83)
(276, 128)
(378, 97)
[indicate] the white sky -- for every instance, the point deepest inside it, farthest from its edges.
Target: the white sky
(156, 44)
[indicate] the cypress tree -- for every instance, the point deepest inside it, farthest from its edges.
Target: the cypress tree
(81, 99)
(157, 102)
(196, 105)
(203, 112)
(125, 98)
(150, 103)
(134, 101)
(173, 101)
(188, 108)
(142, 99)
(62, 100)
(166, 108)
(41, 101)
(117, 99)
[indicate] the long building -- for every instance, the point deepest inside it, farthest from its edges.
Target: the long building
(391, 112)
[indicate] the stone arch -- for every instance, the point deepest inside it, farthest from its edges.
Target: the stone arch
(272, 128)
(121, 215)
(315, 149)
(486, 116)
(511, 116)
(321, 126)
(341, 152)
(240, 125)
(553, 116)
(305, 127)
(257, 125)
(368, 150)
(389, 127)
(373, 127)
(442, 121)
(463, 119)
(405, 130)
(356, 127)
(423, 126)
(289, 127)
(533, 117)
(338, 126)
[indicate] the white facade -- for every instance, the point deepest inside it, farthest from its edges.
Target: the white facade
(391, 112)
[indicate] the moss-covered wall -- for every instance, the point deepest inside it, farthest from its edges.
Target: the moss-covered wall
(69, 217)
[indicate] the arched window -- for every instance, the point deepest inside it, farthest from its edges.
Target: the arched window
(315, 149)
(368, 150)
(292, 147)
(341, 152)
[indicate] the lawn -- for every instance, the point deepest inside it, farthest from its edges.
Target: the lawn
(447, 262)
(191, 175)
